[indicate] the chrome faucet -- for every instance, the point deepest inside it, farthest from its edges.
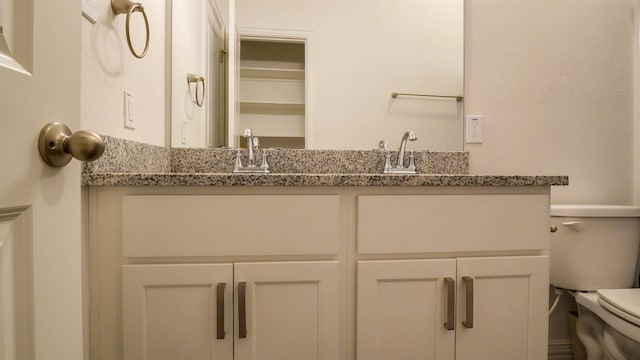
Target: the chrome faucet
(253, 143)
(383, 146)
(411, 136)
(400, 168)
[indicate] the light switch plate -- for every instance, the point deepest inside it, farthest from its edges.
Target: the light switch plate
(183, 133)
(129, 122)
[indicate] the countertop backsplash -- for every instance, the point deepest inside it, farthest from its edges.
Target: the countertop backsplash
(125, 156)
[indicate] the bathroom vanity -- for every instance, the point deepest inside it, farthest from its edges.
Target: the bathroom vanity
(318, 266)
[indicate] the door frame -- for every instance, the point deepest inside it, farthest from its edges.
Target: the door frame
(290, 36)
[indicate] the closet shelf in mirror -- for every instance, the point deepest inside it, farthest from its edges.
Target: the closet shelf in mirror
(278, 126)
(274, 106)
(271, 73)
(274, 143)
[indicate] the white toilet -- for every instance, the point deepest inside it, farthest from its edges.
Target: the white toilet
(595, 252)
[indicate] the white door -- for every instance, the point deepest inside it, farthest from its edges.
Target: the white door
(405, 310)
(177, 311)
(504, 316)
(40, 217)
(287, 310)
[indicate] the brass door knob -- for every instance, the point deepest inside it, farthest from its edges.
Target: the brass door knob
(57, 145)
(553, 228)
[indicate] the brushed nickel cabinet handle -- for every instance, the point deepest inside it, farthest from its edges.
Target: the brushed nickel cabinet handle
(451, 303)
(468, 282)
(220, 333)
(574, 225)
(242, 310)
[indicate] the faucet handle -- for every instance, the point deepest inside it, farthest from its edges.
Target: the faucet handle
(382, 145)
(238, 164)
(412, 160)
(387, 161)
(256, 143)
(264, 164)
(247, 132)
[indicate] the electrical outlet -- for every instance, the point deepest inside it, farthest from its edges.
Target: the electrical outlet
(473, 129)
(129, 122)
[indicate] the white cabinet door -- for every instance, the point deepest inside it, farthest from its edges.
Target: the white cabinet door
(403, 306)
(171, 312)
(287, 310)
(509, 308)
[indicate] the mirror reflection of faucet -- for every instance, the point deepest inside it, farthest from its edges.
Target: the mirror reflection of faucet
(253, 143)
(383, 146)
(400, 168)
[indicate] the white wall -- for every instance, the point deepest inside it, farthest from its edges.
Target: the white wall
(554, 80)
(108, 68)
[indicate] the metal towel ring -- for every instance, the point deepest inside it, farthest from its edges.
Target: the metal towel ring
(191, 78)
(129, 7)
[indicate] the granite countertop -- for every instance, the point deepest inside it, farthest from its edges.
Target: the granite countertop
(127, 163)
(227, 179)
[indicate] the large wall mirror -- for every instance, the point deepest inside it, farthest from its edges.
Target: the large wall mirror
(320, 74)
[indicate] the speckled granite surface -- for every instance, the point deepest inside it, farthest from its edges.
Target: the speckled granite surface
(124, 156)
(127, 163)
(202, 179)
(294, 161)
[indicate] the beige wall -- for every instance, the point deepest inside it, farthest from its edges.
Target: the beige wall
(108, 68)
(554, 80)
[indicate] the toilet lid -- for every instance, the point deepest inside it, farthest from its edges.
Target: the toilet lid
(624, 303)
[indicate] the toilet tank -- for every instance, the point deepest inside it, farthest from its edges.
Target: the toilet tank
(595, 246)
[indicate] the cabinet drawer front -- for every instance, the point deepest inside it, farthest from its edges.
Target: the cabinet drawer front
(169, 226)
(452, 223)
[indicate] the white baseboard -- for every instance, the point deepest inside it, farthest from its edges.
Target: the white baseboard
(560, 350)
